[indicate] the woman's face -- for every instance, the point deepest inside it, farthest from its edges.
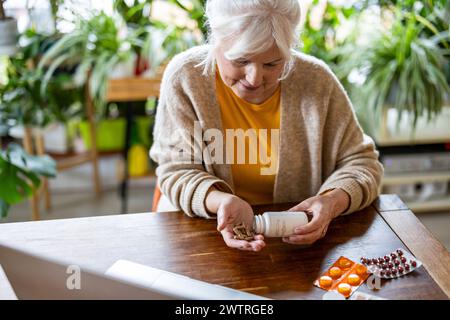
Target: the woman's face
(254, 78)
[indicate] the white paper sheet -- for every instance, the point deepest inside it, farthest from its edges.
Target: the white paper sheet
(6, 291)
(174, 285)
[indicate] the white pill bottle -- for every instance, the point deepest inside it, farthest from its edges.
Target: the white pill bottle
(279, 224)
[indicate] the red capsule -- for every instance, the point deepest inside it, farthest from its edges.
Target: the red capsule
(399, 252)
(406, 267)
(413, 263)
(400, 269)
(386, 258)
(403, 259)
(384, 266)
(390, 265)
(380, 260)
(393, 255)
(394, 271)
(374, 261)
(396, 262)
(382, 273)
(388, 273)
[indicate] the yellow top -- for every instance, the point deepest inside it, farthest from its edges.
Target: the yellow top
(254, 175)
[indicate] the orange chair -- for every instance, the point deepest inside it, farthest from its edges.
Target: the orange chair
(156, 197)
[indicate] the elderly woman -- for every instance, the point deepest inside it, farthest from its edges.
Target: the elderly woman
(297, 137)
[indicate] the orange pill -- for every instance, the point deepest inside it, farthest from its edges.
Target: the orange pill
(361, 270)
(353, 279)
(335, 272)
(325, 281)
(344, 263)
(344, 288)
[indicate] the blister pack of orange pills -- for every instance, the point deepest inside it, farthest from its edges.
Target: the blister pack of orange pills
(344, 277)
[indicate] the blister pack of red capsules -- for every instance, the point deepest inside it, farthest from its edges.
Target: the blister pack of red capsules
(344, 277)
(393, 265)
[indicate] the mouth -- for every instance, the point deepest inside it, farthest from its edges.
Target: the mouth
(249, 88)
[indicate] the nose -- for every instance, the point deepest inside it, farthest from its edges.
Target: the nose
(254, 75)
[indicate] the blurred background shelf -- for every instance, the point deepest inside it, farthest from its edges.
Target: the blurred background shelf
(416, 161)
(402, 178)
(430, 205)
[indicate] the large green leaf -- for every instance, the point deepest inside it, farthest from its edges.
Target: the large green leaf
(41, 165)
(19, 175)
(17, 184)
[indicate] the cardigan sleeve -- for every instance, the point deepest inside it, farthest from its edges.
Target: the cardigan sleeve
(356, 168)
(181, 174)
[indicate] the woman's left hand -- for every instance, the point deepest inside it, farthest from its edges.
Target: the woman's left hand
(323, 208)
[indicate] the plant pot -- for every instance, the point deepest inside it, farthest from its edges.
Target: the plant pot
(144, 126)
(8, 39)
(393, 131)
(56, 138)
(110, 134)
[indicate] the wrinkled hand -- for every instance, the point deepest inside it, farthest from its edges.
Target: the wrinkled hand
(324, 208)
(232, 211)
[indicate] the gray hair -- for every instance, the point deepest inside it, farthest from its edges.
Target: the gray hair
(253, 26)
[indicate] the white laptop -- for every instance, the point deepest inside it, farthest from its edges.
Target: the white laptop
(28, 276)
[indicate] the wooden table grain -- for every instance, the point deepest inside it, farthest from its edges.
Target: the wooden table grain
(192, 247)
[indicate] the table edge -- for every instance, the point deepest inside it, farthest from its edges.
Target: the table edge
(410, 230)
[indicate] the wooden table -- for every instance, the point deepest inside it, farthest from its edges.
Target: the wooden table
(193, 247)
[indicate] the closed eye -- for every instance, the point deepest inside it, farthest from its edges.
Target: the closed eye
(241, 62)
(273, 63)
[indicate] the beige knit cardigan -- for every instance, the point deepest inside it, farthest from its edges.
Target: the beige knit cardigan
(321, 144)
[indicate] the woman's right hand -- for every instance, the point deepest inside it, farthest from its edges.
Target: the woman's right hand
(231, 211)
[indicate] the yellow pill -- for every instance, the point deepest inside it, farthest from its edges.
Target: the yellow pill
(345, 263)
(335, 272)
(325, 281)
(353, 279)
(361, 270)
(344, 289)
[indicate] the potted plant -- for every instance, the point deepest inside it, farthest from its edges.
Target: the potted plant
(95, 47)
(21, 98)
(400, 66)
(8, 31)
(98, 46)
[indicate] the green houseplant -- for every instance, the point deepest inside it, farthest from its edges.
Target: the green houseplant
(102, 42)
(21, 98)
(160, 40)
(403, 70)
(94, 47)
(19, 171)
(22, 104)
(393, 54)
